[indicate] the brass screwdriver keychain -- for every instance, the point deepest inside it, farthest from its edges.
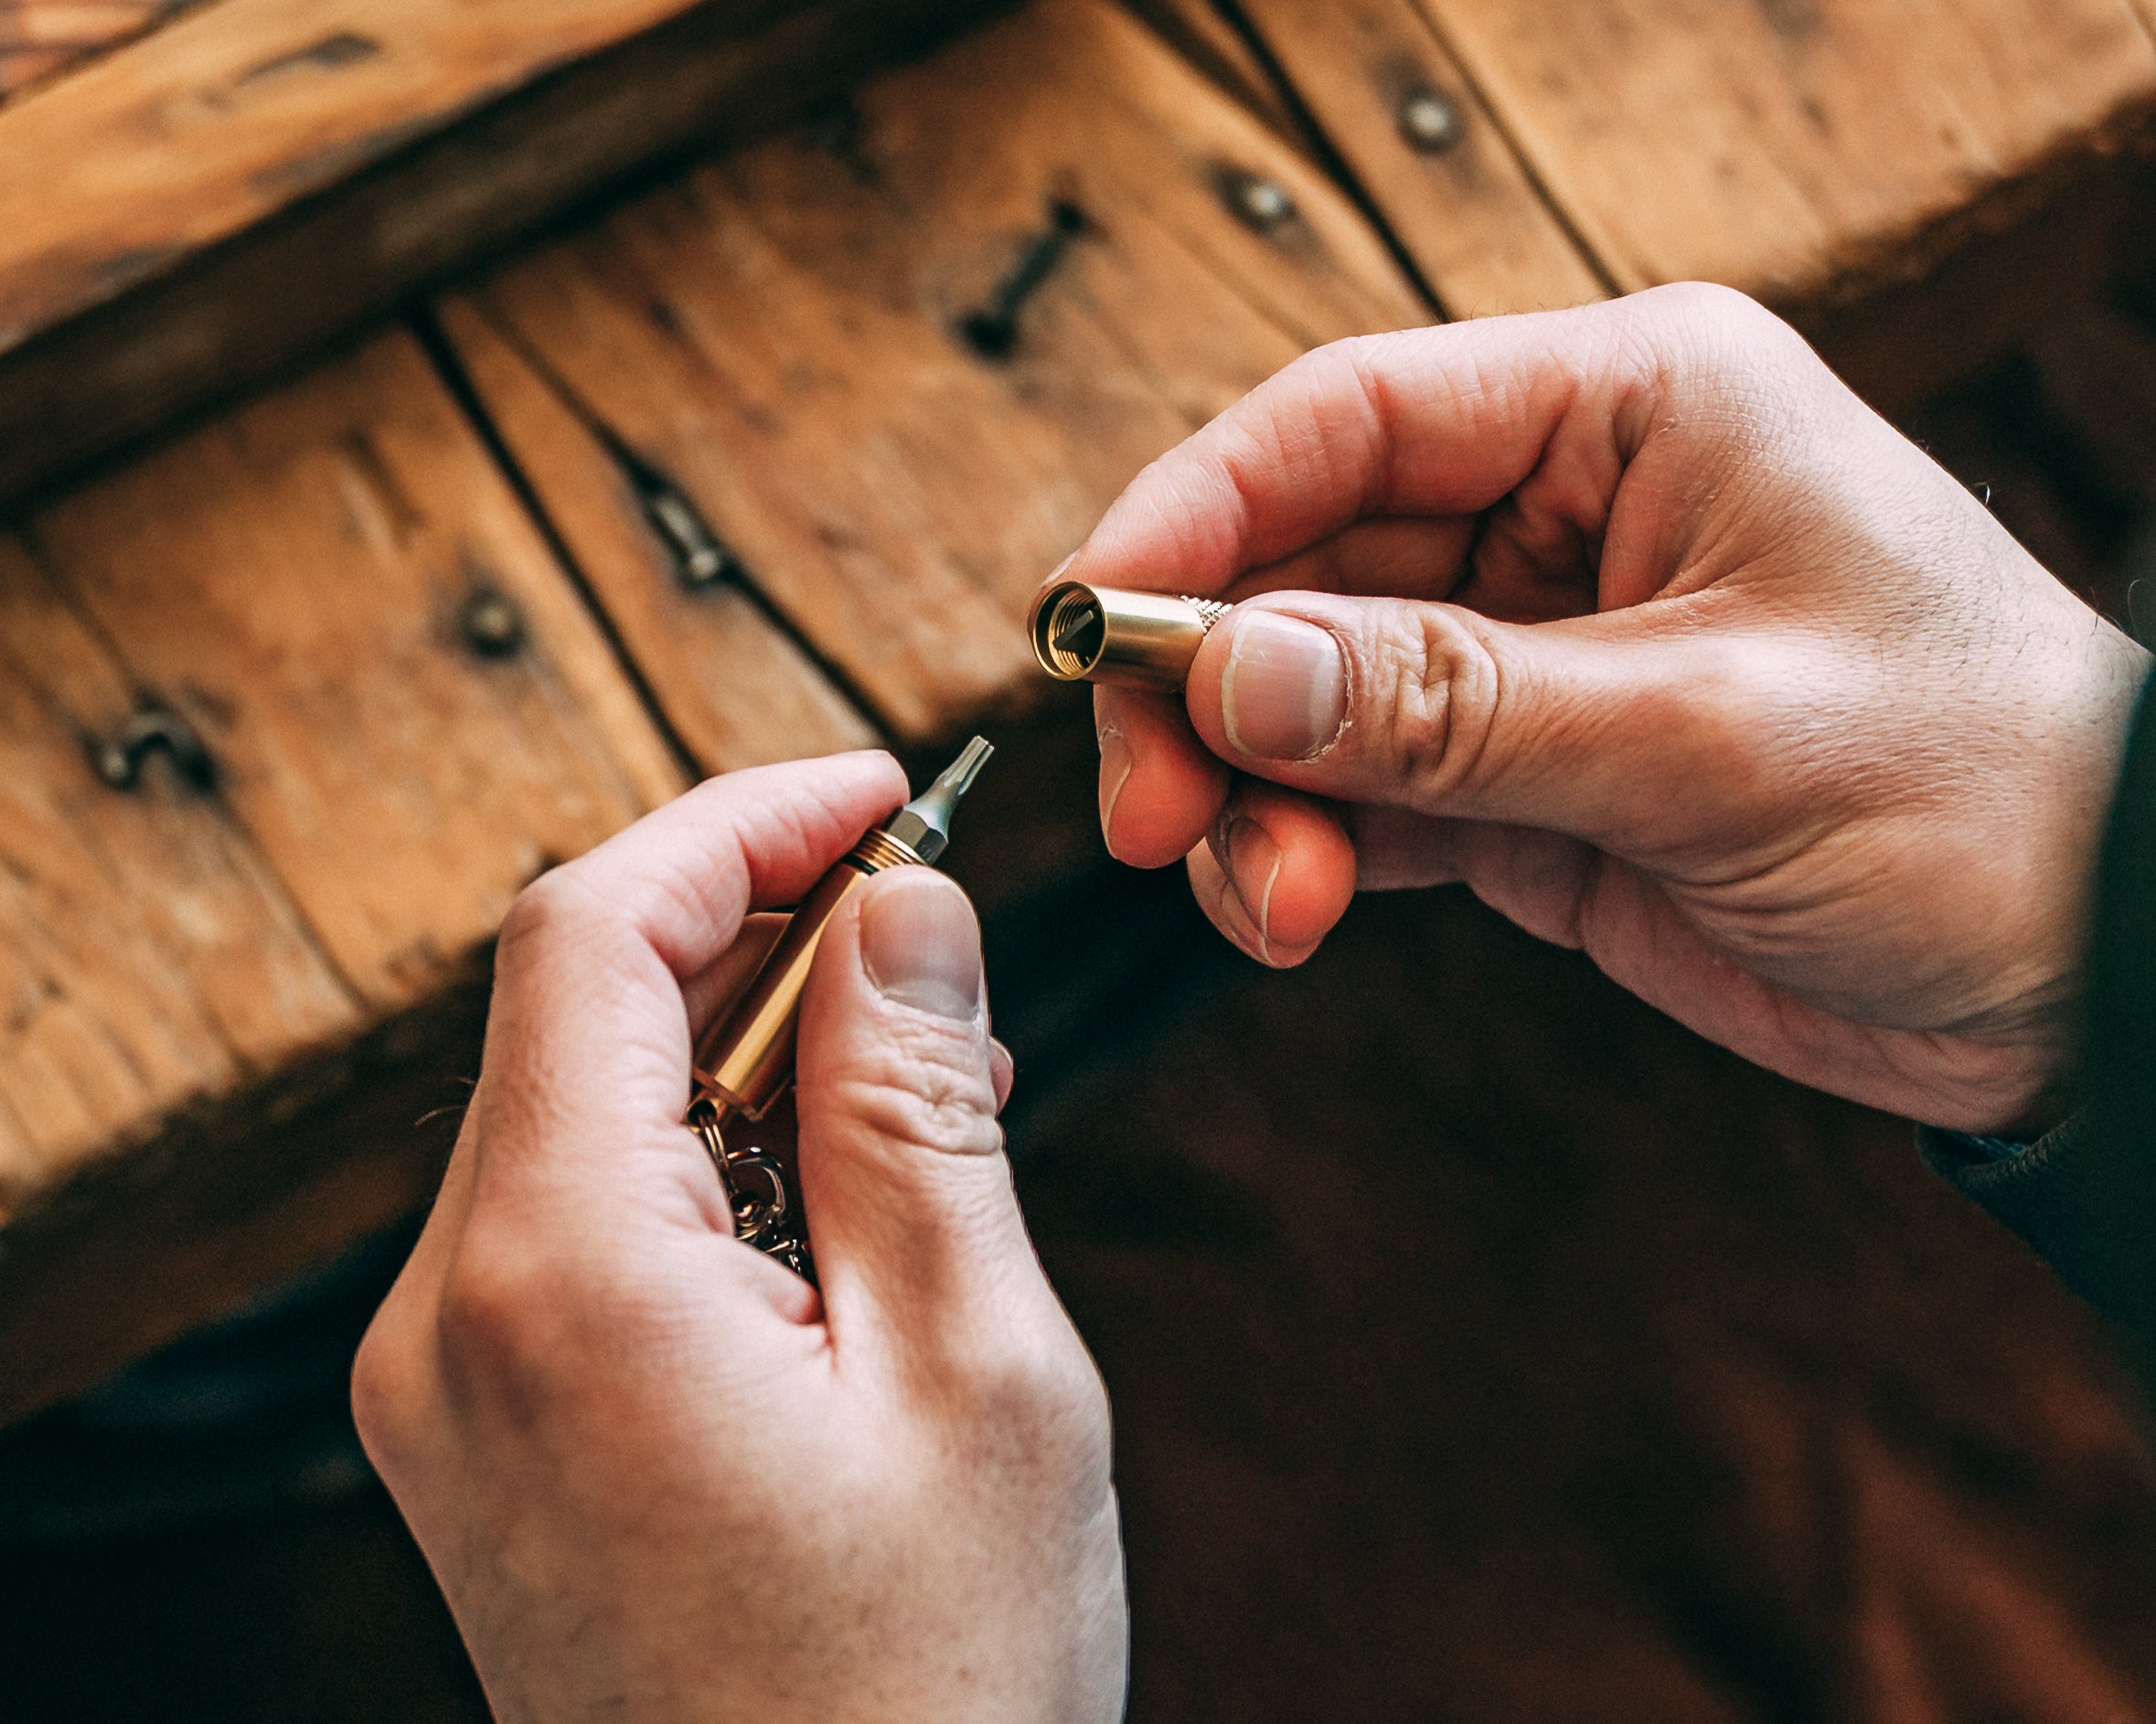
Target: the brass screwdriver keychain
(745, 1062)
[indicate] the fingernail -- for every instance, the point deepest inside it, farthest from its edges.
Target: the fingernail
(1284, 696)
(1253, 865)
(920, 945)
(1116, 764)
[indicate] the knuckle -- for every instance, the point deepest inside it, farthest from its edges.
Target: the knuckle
(1709, 309)
(389, 1375)
(915, 1089)
(1433, 700)
(1032, 1395)
(916, 1119)
(1705, 298)
(493, 1325)
(542, 910)
(1705, 331)
(559, 920)
(1332, 363)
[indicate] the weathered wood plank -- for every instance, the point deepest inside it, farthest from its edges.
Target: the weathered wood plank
(733, 685)
(406, 712)
(408, 708)
(298, 580)
(149, 958)
(260, 174)
(41, 37)
(1426, 151)
(1203, 34)
(241, 109)
(785, 334)
(1803, 152)
(227, 1198)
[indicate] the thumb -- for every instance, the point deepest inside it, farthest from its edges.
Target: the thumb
(1585, 725)
(914, 1225)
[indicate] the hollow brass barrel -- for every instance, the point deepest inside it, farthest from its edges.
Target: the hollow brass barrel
(1114, 635)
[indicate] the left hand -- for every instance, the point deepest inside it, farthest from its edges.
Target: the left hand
(657, 1475)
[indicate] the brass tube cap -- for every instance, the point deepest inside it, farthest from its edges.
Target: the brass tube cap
(1113, 634)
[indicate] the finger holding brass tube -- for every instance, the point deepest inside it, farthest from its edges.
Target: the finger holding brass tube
(1114, 634)
(744, 1062)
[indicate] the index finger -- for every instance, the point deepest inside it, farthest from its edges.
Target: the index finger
(1419, 422)
(588, 1038)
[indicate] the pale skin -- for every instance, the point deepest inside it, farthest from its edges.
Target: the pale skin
(658, 1475)
(1631, 618)
(1637, 621)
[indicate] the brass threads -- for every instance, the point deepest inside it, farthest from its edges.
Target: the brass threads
(1069, 631)
(879, 850)
(1112, 634)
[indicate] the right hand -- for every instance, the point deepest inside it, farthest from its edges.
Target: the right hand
(657, 1475)
(1637, 621)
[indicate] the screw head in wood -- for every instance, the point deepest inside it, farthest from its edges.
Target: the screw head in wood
(1258, 202)
(493, 626)
(120, 757)
(1430, 121)
(699, 560)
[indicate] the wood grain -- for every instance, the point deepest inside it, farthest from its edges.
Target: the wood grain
(1479, 231)
(1208, 40)
(261, 174)
(239, 109)
(260, 1182)
(736, 688)
(150, 959)
(1804, 151)
(38, 38)
(293, 577)
(189, 969)
(782, 334)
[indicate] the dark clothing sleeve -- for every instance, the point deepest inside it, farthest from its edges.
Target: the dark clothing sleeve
(2084, 1196)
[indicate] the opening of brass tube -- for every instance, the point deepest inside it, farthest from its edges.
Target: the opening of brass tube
(1069, 630)
(1110, 635)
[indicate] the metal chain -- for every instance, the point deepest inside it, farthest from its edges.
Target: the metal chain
(764, 1213)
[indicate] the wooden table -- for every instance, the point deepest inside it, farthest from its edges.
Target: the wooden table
(306, 667)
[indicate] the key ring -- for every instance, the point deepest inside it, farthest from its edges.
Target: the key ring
(765, 1215)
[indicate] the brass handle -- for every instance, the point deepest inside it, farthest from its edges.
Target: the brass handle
(745, 1061)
